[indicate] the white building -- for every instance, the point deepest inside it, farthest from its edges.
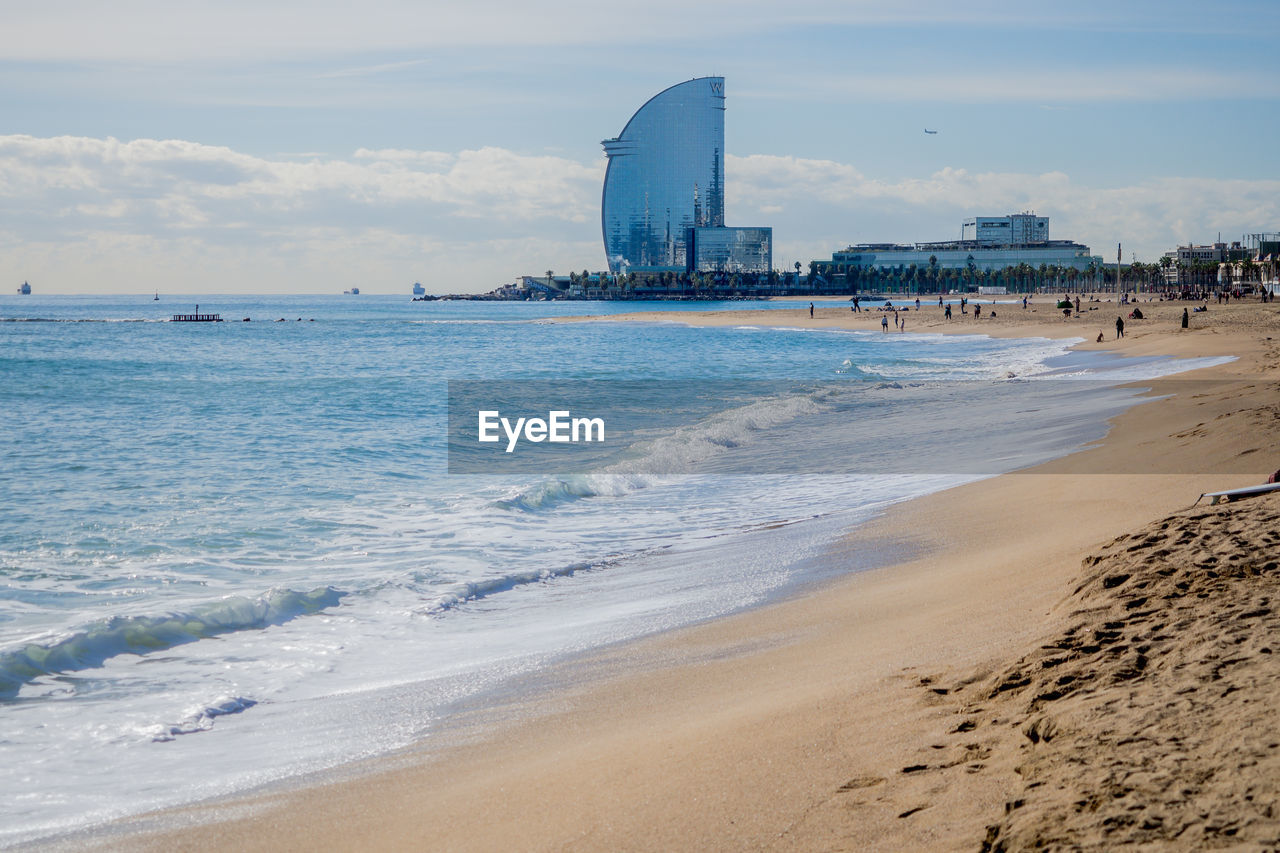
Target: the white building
(987, 243)
(1016, 229)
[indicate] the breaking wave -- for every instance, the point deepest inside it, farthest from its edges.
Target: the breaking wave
(681, 452)
(201, 719)
(140, 635)
(467, 591)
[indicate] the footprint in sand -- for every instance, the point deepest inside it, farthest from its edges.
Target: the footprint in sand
(857, 783)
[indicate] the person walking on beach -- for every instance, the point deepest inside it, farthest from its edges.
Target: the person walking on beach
(1186, 318)
(977, 310)
(884, 323)
(1119, 328)
(1024, 303)
(810, 310)
(947, 313)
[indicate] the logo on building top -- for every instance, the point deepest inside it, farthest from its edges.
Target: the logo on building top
(717, 87)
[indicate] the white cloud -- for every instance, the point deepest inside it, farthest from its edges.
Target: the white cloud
(436, 159)
(1148, 217)
(80, 213)
(190, 182)
(120, 214)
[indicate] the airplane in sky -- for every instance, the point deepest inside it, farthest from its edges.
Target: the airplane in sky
(927, 130)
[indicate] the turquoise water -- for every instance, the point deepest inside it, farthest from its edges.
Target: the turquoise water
(231, 553)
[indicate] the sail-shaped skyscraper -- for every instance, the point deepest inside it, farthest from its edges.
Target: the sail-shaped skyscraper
(664, 188)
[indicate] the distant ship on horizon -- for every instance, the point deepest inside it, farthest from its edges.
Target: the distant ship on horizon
(419, 290)
(355, 291)
(25, 290)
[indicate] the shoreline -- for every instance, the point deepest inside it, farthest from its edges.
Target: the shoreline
(1039, 320)
(754, 729)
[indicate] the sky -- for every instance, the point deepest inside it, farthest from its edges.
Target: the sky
(251, 146)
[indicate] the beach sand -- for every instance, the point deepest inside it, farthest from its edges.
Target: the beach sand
(1067, 657)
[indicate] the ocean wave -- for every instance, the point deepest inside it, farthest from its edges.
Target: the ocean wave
(655, 461)
(858, 371)
(466, 591)
(140, 635)
(557, 490)
(200, 718)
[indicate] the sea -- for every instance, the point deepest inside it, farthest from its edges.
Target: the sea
(233, 554)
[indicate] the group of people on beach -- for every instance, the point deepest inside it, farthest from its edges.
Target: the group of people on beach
(1136, 314)
(1067, 303)
(900, 322)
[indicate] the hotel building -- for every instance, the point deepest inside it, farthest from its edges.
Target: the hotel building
(662, 207)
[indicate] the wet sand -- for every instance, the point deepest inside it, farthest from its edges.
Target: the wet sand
(1073, 659)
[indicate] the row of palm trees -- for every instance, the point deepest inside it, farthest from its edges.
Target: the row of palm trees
(1020, 278)
(1168, 274)
(632, 285)
(829, 278)
(1209, 274)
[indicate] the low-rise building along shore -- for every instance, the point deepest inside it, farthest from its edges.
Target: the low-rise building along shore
(987, 243)
(1220, 265)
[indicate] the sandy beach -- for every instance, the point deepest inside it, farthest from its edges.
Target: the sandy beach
(1063, 657)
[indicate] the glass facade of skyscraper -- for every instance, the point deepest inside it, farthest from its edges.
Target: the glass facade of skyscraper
(731, 250)
(665, 176)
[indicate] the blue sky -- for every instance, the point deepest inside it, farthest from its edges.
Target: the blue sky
(306, 147)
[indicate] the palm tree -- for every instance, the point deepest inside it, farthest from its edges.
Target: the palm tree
(1247, 268)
